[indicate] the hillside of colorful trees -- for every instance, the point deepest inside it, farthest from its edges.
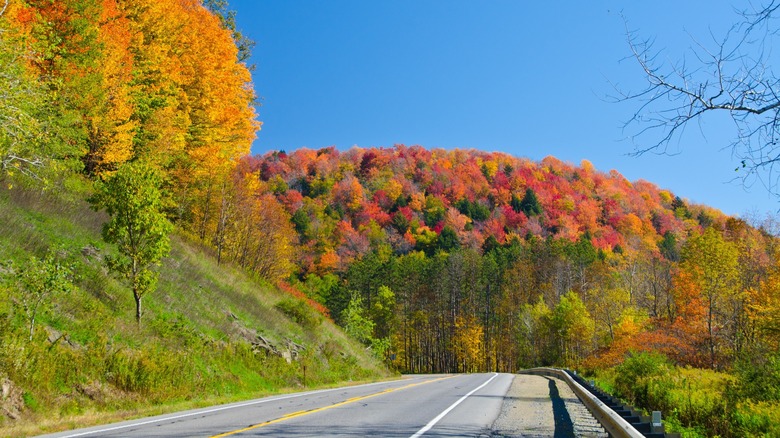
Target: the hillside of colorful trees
(439, 260)
(461, 260)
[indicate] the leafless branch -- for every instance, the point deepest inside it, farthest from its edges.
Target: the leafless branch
(731, 75)
(23, 165)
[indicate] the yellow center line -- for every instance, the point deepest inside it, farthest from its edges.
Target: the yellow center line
(311, 411)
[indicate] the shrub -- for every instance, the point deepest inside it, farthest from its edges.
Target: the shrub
(637, 372)
(757, 419)
(300, 312)
(759, 377)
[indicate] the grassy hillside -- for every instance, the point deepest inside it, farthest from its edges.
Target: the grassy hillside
(209, 333)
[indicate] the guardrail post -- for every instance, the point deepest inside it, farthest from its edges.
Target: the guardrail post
(656, 424)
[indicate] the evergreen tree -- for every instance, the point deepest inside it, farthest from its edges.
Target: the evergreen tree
(530, 204)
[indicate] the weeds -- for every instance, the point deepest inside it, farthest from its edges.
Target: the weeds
(695, 402)
(87, 358)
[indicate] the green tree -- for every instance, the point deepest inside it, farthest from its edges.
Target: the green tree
(535, 335)
(67, 56)
(530, 204)
(448, 239)
(668, 247)
(383, 312)
(137, 226)
(434, 210)
(573, 327)
(356, 321)
(20, 101)
(38, 281)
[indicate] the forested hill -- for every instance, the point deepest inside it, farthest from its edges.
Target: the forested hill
(462, 260)
(411, 198)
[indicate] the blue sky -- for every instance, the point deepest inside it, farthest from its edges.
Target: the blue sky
(528, 79)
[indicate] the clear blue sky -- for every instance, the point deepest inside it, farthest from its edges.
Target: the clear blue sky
(528, 79)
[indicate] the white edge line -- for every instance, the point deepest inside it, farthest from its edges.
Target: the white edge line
(447, 411)
(221, 408)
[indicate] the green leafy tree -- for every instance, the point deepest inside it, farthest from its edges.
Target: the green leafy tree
(38, 282)
(516, 203)
(356, 321)
(67, 56)
(668, 247)
(573, 327)
(535, 334)
(383, 312)
(137, 226)
(20, 100)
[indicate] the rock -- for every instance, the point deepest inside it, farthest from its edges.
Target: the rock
(96, 391)
(55, 336)
(90, 251)
(11, 402)
(262, 344)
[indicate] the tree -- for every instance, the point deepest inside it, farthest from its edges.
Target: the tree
(732, 75)
(712, 264)
(39, 280)
(382, 312)
(228, 20)
(67, 55)
(573, 328)
(764, 308)
(448, 239)
(530, 204)
(609, 304)
(357, 322)
(536, 335)
(668, 247)
(137, 226)
(20, 101)
(467, 344)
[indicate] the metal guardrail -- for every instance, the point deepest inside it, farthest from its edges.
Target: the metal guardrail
(621, 423)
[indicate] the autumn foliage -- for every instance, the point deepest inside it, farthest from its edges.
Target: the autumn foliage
(498, 262)
(157, 81)
(436, 260)
(445, 260)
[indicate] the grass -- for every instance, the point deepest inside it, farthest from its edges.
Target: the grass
(695, 402)
(89, 362)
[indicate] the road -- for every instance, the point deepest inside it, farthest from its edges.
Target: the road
(421, 405)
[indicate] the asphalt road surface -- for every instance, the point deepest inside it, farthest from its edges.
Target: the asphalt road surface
(421, 405)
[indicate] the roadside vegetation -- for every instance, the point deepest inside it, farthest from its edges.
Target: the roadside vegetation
(209, 334)
(700, 402)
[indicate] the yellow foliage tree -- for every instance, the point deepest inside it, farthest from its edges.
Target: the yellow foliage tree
(467, 343)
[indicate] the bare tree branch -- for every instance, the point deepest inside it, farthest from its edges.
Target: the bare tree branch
(732, 75)
(23, 165)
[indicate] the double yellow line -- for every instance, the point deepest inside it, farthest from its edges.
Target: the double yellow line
(311, 411)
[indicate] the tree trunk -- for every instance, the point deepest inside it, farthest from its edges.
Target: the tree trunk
(710, 331)
(32, 326)
(137, 307)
